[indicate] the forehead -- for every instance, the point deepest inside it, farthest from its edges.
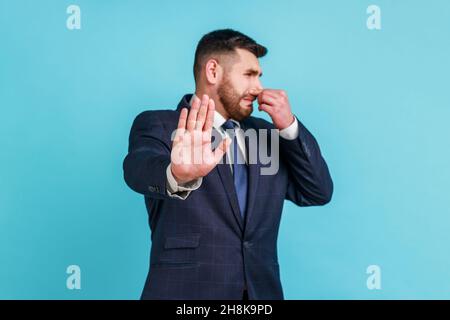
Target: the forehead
(247, 60)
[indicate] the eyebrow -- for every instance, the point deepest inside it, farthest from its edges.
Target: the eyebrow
(254, 72)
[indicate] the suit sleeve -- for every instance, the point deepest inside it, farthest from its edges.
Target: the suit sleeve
(148, 156)
(310, 183)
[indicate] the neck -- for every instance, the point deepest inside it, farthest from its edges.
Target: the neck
(199, 92)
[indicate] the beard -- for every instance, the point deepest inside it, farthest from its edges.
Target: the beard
(231, 100)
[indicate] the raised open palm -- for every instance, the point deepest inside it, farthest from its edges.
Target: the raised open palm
(192, 156)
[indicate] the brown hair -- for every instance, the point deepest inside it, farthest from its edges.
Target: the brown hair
(224, 41)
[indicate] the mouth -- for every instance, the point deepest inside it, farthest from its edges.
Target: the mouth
(248, 102)
(248, 105)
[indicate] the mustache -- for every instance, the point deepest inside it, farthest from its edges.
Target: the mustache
(249, 97)
(252, 94)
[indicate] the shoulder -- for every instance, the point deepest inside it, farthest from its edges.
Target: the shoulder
(150, 116)
(167, 119)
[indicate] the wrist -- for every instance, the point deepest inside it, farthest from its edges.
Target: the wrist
(178, 180)
(288, 123)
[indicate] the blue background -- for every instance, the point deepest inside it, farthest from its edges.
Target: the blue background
(377, 101)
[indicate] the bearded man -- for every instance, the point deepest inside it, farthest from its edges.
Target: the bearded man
(214, 213)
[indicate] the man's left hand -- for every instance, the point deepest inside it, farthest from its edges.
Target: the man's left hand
(276, 104)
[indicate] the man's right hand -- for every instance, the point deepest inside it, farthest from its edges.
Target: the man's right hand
(192, 156)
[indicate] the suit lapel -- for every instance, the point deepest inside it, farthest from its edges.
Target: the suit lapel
(253, 174)
(228, 183)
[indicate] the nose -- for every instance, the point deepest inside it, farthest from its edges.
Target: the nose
(256, 89)
(259, 86)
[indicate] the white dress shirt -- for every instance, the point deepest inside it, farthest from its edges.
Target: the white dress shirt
(182, 191)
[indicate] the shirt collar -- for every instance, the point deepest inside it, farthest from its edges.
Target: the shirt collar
(219, 120)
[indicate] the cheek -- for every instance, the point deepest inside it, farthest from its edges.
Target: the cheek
(243, 87)
(239, 87)
(239, 83)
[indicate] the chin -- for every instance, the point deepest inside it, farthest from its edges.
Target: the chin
(246, 112)
(241, 111)
(247, 109)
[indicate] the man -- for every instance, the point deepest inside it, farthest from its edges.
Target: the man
(214, 223)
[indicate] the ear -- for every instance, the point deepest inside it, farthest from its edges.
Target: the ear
(213, 71)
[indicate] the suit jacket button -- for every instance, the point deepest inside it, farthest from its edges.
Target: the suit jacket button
(247, 244)
(151, 189)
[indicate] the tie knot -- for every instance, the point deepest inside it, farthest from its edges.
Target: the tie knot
(229, 125)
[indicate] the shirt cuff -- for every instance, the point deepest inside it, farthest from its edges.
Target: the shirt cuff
(291, 132)
(180, 191)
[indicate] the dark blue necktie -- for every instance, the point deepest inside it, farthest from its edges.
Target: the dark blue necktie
(239, 169)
